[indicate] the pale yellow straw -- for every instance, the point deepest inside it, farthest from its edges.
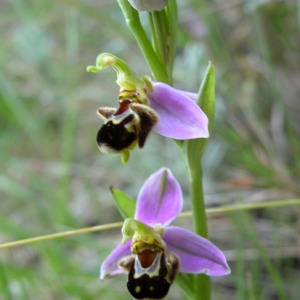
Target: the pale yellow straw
(209, 211)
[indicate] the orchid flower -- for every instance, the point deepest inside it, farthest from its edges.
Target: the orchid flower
(145, 105)
(152, 251)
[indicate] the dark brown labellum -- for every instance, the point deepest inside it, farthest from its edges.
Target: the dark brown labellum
(125, 126)
(154, 281)
(114, 137)
(148, 119)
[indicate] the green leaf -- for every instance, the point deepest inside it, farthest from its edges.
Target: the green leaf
(125, 204)
(206, 96)
(185, 282)
(206, 100)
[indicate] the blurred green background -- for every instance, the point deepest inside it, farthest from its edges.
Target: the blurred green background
(53, 177)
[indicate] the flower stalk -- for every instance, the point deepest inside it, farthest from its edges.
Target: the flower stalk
(192, 152)
(132, 18)
(202, 286)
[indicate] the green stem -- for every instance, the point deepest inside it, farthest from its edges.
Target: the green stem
(158, 70)
(197, 200)
(192, 151)
(201, 282)
(155, 40)
(159, 30)
(172, 18)
(164, 26)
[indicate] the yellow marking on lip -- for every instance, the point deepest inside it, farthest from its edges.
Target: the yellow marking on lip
(137, 289)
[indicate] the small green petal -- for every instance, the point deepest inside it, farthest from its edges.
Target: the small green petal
(206, 100)
(125, 204)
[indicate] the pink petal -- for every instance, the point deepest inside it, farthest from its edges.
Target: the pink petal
(160, 199)
(110, 266)
(197, 254)
(180, 116)
(192, 96)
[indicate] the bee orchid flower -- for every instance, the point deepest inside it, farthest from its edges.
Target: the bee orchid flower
(152, 251)
(144, 105)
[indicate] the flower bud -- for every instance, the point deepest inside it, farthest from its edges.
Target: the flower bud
(148, 5)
